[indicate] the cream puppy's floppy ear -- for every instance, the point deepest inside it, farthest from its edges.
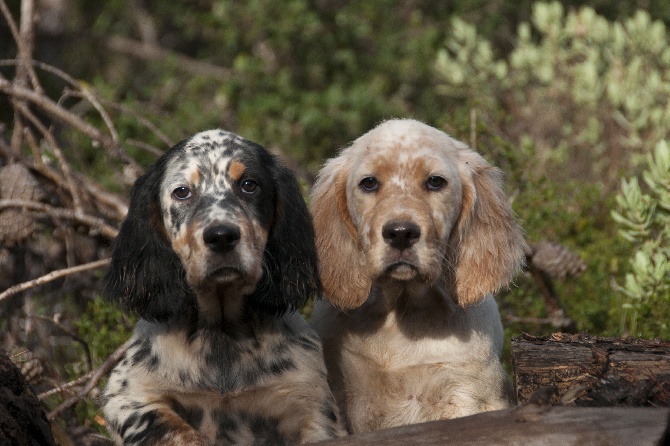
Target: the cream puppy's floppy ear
(340, 264)
(489, 243)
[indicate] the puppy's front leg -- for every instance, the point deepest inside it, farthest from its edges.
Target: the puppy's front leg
(131, 422)
(137, 417)
(323, 424)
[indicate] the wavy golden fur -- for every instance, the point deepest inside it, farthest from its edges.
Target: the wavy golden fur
(413, 233)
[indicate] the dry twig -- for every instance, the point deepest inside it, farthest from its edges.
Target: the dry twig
(65, 387)
(96, 224)
(11, 291)
(147, 51)
(59, 113)
(71, 334)
(58, 153)
(33, 148)
(113, 359)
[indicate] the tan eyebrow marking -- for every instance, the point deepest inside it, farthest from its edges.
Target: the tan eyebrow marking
(236, 169)
(195, 176)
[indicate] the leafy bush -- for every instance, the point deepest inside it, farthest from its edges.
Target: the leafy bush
(105, 327)
(574, 213)
(302, 77)
(577, 100)
(645, 222)
(590, 94)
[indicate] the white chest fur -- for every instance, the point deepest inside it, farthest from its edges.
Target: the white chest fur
(423, 363)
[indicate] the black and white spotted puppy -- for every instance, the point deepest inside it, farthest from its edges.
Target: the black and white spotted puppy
(216, 253)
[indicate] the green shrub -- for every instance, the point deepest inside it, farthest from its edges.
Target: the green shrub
(644, 219)
(578, 100)
(104, 327)
(590, 94)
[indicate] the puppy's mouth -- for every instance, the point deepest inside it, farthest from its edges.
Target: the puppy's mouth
(401, 270)
(225, 274)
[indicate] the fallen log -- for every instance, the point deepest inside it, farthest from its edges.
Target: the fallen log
(607, 377)
(530, 425)
(579, 370)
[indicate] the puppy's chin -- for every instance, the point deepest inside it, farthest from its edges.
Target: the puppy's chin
(401, 271)
(225, 275)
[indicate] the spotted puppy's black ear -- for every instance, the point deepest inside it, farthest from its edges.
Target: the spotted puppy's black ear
(145, 275)
(291, 274)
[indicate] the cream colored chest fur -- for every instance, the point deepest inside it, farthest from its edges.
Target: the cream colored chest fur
(390, 368)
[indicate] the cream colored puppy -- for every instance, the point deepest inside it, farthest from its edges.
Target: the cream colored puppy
(413, 233)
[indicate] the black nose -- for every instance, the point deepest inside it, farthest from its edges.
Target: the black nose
(221, 238)
(401, 234)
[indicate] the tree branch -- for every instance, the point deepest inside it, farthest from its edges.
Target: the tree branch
(70, 333)
(150, 52)
(113, 359)
(63, 116)
(64, 165)
(51, 277)
(63, 387)
(92, 222)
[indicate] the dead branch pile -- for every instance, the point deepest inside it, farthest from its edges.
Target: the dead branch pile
(56, 222)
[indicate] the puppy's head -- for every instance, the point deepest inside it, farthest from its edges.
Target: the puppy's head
(215, 213)
(406, 202)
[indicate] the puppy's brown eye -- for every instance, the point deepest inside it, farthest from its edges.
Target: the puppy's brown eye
(249, 186)
(369, 184)
(435, 183)
(182, 193)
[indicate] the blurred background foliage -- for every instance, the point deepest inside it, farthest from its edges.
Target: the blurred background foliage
(566, 97)
(644, 218)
